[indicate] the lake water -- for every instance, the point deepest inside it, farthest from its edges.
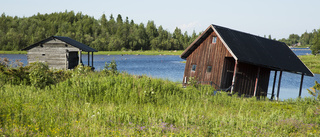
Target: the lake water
(170, 67)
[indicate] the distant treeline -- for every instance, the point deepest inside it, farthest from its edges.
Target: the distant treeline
(306, 39)
(106, 34)
(112, 34)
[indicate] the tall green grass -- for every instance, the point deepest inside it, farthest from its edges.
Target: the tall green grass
(105, 104)
(312, 62)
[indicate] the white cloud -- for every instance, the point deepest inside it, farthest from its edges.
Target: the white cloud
(190, 27)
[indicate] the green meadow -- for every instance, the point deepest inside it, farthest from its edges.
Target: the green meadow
(36, 101)
(312, 62)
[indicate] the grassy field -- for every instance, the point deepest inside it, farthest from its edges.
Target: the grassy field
(107, 104)
(312, 62)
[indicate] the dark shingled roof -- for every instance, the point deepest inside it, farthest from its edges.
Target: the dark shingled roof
(254, 50)
(68, 40)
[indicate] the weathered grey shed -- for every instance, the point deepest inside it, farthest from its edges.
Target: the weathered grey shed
(59, 52)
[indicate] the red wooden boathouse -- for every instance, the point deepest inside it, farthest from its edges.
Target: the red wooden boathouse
(240, 62)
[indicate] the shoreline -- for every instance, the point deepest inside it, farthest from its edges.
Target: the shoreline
(311, 61)
(138, 52)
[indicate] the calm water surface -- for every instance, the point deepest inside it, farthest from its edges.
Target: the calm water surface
(169, 67)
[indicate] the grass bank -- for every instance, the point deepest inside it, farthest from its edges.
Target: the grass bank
(13, 52)
(105, 104)
(147, 52)
(312, 62)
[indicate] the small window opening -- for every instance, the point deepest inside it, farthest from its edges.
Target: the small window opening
(209, 68)
(43, 54)
(193, 68)
(66, 45)
(214, 39)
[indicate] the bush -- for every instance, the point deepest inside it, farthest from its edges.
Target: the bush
(111, 68)
(81, 70)
(193, 81)
(13, 72)
(40, 75)
(315, 90)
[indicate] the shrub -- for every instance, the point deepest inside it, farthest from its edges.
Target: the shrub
(40, 75)
(111, 68)
(193, 82)
(13, 72)
(315, 90)
(81, 70)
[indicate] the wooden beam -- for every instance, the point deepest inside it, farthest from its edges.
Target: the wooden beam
(274, 84)
(66, 60)
(301, 82)
(80, 57)
(88, 58)
(91, 59)
(279, 82)
(234, 75)
(256, 84)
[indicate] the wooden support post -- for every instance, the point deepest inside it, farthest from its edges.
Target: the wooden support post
(80, 55)
(274, 84)
(88, 58)
(66, 61)
(91, 59)
(301, 85)
(234, 75)
(279, 82)
(256, 84)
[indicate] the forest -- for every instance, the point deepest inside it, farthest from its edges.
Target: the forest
(104, 34)
(110, 33)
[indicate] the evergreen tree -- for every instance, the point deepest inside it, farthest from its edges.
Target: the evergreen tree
(315, 48)
(102, 34)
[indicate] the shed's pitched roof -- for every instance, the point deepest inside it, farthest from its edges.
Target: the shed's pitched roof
(254, 50)
(68, 40)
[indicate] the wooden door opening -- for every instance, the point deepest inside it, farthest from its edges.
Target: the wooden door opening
(227, 74)
(73, 59)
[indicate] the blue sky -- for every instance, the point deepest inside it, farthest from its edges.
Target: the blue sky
(278, 18)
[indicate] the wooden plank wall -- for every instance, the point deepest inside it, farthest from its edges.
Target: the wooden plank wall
(246, 79)
(53, 52)
(207, 54)
(222, 64)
